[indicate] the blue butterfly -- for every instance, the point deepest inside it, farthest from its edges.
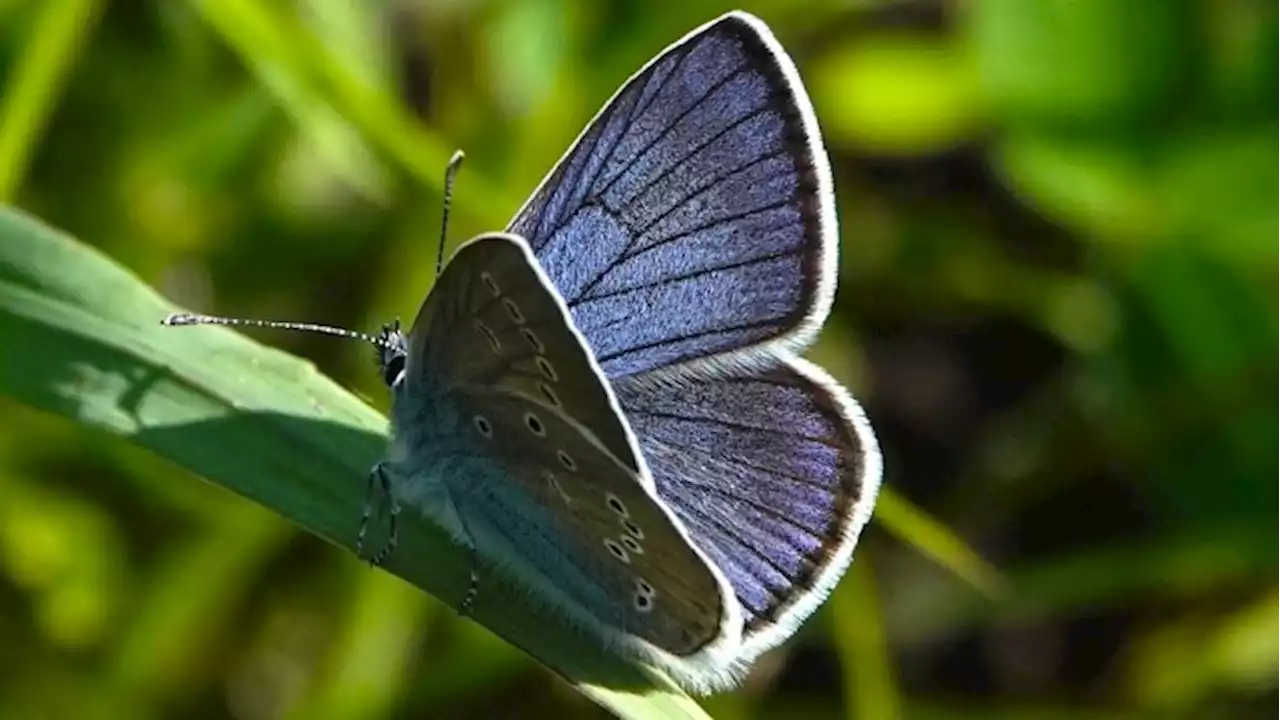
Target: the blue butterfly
(605, 400)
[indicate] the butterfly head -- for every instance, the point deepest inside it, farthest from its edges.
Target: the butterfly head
(392, 350)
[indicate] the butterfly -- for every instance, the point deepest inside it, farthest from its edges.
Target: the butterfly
(606, 402)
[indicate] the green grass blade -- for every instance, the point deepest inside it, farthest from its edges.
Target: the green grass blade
(82, 339)
(914, 527)
(871, 689)
(35, 81)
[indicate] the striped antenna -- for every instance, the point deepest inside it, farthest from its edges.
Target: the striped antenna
(450, 171)
(177, 319)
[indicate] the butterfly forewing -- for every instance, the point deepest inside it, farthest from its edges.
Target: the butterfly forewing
(551, 468)
(693, 218)
(491, 322)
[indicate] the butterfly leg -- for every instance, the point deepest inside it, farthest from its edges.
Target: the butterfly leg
(382, 555)
(473, 583)
(379, 484)
(393, 531)
(367, 513)
(473, 587)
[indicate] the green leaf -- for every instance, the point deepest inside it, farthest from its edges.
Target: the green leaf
(83, 340)
(1096, 186)
(1221, 187)
(313, 84)
(896, 93)
(1078, 61)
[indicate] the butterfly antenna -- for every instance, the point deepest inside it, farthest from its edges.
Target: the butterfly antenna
(450, 171)
(177, 319)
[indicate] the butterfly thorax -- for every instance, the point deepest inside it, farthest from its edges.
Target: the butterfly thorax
(428, 447)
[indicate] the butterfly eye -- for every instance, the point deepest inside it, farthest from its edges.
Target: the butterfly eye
(513, 310)
(617, 550)
(534, 341)
(493, 286)
(534, 424)
(392, 369)
(544, 366)
(482, 426)
(635, 548)
(566, 461)
(644, 597)
(493, 339)
(615, 504)
(633, 529)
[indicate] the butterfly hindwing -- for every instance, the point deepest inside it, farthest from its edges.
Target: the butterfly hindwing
(693, 221)
(773, 472)
(611, 546)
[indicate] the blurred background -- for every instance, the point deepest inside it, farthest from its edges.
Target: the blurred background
(1057, 302)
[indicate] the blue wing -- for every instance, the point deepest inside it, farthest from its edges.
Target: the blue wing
(773, 473)
(693, 218)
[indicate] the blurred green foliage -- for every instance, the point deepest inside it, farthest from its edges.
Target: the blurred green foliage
(1056, 302)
